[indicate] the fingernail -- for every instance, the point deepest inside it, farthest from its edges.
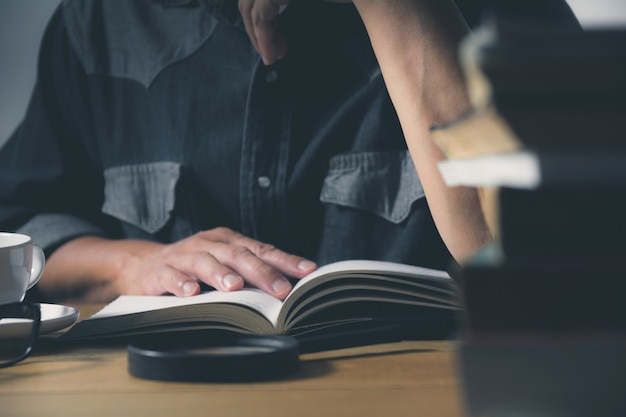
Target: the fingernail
(189, 287)
(230, 281)
(306, 265)
(281, 286)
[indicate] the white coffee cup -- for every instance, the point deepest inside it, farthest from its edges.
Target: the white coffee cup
(21, 265)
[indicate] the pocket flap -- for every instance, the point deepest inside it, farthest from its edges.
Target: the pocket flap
(142, 195)
(384, 183)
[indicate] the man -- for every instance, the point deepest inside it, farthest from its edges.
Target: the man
(159, 153)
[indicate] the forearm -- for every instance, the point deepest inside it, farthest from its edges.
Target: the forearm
(96, 269)
(88, 268)
(415, 42)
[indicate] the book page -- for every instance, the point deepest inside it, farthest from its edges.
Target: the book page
(255, 299)
(134, 313)
(381, 268)
(359, 275)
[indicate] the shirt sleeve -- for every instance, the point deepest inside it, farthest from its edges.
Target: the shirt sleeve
(50, 187)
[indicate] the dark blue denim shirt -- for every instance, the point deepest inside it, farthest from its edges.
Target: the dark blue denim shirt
(156, 119)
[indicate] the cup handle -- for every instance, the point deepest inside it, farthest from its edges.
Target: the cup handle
(39, 261)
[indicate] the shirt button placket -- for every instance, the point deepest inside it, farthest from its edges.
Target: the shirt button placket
(271, 76)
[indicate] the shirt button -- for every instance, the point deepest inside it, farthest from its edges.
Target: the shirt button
(271, 76)
(264, 182)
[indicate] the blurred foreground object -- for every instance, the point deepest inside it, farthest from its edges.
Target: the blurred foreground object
(543, 330)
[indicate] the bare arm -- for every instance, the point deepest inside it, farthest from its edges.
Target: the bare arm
(96, 269)
(416, 42)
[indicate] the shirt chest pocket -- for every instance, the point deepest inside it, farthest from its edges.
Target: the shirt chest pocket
(382, 183)
(142, 195)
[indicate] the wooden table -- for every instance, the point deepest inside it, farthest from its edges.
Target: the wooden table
(412, 378)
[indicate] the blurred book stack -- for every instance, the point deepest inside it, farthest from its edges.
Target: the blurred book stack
(544, 327)
(549, 106)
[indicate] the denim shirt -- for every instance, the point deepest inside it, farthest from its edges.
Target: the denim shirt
(156, 119)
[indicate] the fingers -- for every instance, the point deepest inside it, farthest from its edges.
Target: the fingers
(194, 267)
(260, 19)
(221, 258)
(170, 280)
(291, 265)
(255, 271)
(258, 264)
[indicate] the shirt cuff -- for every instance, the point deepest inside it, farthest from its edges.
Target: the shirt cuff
(49, 231)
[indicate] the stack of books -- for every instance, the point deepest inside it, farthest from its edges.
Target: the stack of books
(548, 112)
(543, 331)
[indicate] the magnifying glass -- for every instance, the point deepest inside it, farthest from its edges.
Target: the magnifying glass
(219, 358)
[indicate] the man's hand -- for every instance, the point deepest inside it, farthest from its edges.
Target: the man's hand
(101, 269)
(221, 258)
(260, 18)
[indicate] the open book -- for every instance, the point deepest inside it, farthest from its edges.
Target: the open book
(337, 294)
